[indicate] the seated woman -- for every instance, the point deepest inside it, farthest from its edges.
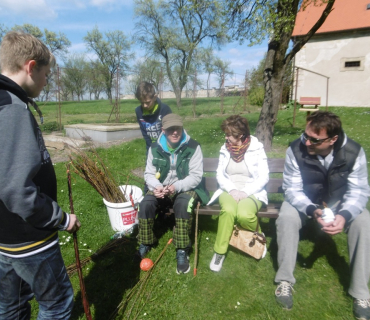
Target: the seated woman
(242, 174)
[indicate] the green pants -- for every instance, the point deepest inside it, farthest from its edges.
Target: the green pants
(243, 213)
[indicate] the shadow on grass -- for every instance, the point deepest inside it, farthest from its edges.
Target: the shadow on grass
(323, 246)
(111, 276)
(114, 274)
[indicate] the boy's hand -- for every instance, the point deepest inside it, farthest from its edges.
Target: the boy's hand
(74, 224)
(169, 190)
(159, 192)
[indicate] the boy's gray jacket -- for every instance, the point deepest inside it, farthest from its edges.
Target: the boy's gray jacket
(29, 214)
(186, 184)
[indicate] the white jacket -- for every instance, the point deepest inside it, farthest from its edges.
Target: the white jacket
(256, 160)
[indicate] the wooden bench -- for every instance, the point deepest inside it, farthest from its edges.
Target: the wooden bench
(309, 101)
(273, 186)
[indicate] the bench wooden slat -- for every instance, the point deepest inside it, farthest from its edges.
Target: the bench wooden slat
(276, 165)
(310, 100)
(270, 211)
(308, 109)
(273, 186)
(210, 164)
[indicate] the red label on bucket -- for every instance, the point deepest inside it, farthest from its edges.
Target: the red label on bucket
(128, 217)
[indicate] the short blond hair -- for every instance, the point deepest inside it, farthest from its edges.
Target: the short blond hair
(18, 47)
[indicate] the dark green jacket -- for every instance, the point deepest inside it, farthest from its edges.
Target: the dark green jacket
(175, 167)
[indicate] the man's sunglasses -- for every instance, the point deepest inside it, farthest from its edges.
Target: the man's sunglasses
(306, 137)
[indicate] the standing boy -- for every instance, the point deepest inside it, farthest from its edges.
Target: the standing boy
(30, 218)
(174, 172)
(150, 113)
(324, 167)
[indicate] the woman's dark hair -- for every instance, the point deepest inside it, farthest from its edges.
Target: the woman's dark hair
(236, 126)
(145, 90)
(325, 120)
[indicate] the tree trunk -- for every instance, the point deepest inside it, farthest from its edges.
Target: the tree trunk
(276, 62)
(273, 80)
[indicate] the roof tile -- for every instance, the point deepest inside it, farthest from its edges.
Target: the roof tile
(346, 15)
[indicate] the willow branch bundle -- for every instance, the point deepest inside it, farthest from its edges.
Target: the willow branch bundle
(138, 290)
(196, 240)
(71, 269)
(85, 300)
(90, 167)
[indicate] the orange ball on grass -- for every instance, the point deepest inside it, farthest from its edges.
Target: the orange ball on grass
(146, 264)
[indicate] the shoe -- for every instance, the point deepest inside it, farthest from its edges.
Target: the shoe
(283, 294)
(183, 265)
(361, 309)
(216, 262)
(143, 250)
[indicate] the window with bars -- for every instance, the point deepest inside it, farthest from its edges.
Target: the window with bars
(352, 64)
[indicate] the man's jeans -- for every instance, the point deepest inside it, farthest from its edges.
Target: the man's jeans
(42, 275)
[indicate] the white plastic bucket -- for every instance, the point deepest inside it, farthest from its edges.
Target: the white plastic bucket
(123, 216)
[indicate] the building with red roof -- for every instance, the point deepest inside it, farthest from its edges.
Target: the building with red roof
(340, 50)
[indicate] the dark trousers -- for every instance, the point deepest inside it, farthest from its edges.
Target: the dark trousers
(183, 204)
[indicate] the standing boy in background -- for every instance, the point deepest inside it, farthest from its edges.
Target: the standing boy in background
(30, 260)
(150, 113)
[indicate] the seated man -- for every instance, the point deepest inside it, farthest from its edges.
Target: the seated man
(325, 167)
(174, 171)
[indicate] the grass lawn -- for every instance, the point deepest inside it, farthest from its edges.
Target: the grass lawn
(244, 289)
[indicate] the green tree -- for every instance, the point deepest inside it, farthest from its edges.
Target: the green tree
(174, 29)
(57, 43)
(113, 51)
(94, 72)
(74, 75)
(222, 70)
(208, 65)
(3, 31)
(150, 70)
(254, 20)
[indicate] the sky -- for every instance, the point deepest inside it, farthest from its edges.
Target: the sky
(75, 18)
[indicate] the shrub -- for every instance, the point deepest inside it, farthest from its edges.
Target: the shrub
(256, 96)
(50, 126)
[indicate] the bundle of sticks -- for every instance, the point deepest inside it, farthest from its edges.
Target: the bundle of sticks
(90, 167)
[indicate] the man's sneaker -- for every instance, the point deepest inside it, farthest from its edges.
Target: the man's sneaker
(283, 294)
(143, 250)
(216, 262)
(361, 309)
(183, 265)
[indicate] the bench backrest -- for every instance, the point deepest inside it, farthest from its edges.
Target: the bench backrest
(310, 100)
(273, 186)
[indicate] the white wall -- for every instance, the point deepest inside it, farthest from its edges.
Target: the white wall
(326, 54)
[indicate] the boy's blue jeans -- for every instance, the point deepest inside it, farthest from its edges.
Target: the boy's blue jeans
(42, 275)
